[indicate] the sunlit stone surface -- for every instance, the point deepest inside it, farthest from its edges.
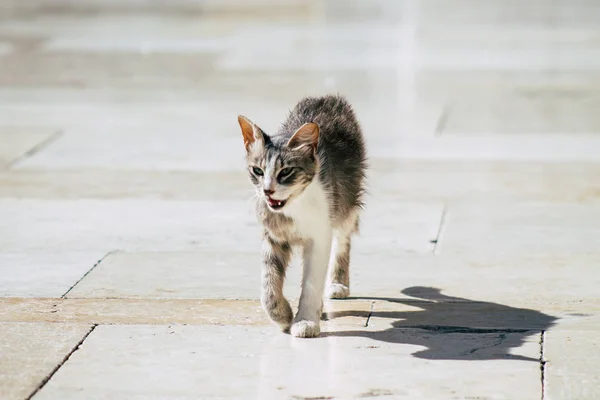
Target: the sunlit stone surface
(125, 210)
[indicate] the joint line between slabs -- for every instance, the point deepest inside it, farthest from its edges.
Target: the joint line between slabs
(87, 273)
(35, 149)
(60, 364)
(442, 120)
(543, 363)
(370, 313)
(440, 230)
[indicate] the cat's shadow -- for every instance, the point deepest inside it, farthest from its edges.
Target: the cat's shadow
(451, 328)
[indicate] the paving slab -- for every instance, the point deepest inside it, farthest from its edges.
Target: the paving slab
(5, 48)
(557, 148)
(134, 311)
(544, 111)
(518, 280)
(165, 311)
(571, 370)
(523, 227)
(152, 224)
(37, 225)
(381, 47)
(429, 181)
(481, 125)
(116, 7)
(435, 310)
(105, 112)
(123, 184)
(69, 69)
(236, 274)
(147, 148)
(16, 142)
(181, 362)
(455, 181)
(181, 145)
(179, 275)
(106, 89)
(127, 110)
(30, 352)
(43, 274)
(414, 227)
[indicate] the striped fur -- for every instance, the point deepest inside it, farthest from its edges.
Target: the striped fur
(309, 178)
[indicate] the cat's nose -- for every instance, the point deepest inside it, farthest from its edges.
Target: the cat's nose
(268, 192)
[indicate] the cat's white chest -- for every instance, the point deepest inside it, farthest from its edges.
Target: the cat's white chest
(310, 212)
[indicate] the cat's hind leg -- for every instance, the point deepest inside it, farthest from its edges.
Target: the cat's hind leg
(338, 283)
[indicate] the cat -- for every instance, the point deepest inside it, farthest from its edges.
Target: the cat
(309, 180)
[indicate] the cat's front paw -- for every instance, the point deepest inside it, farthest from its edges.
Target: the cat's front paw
(305, 329)
(337, 291)
(279, 311)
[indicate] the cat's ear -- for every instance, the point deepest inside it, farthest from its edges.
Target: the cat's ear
(306, 135)
(250, 132)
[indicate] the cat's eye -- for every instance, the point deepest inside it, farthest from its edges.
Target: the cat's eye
(257, 171)
(285, 172)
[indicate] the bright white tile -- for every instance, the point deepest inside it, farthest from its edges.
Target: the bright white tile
(31, 351)
(47, 274)
(571, 357)
(181, 362)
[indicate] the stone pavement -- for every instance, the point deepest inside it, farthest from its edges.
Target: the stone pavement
(129, 254)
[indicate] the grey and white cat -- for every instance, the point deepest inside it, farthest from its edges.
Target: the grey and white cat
(309, 179)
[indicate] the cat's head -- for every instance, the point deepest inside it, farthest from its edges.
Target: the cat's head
(280, 171)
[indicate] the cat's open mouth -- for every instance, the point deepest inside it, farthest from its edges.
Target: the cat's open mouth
(275, 204)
